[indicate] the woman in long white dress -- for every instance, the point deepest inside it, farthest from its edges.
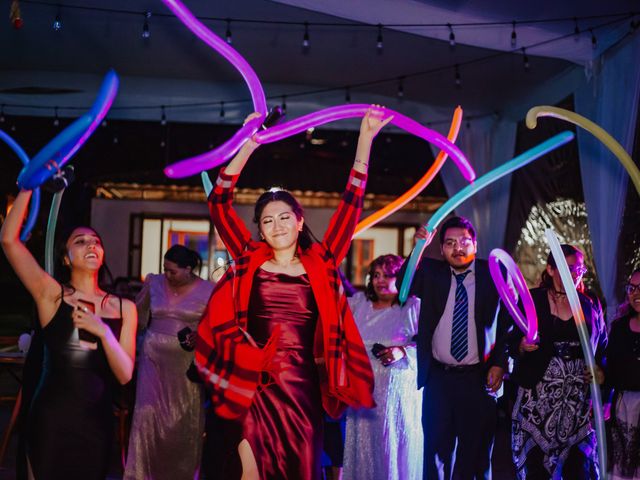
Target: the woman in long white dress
(386, 442)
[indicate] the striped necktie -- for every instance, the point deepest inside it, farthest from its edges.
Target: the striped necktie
(459, 340)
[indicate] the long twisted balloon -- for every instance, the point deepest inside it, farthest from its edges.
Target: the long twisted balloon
(583, 334)
(594, 129)
(470, 190)
(208, 160)
(34, 205)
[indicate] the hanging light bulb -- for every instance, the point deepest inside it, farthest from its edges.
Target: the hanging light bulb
(305, 38)
(56, 120)
(525, 59)
(57, 23)
(457, 78)
(576, 29)
(2, 119)
(514, 35)
(452, 36)
(400, 92)
(163, 116)
(222, 112)
(284, 105)
(146, 33)
(347, 94)
(228, 32)
(594, 40)
(379, 44)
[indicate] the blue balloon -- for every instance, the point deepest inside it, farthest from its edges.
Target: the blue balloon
(67, 142)
(34, 205)
(470, 190)
(206, 183)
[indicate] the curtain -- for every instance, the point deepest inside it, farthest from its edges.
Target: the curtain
(610, 99)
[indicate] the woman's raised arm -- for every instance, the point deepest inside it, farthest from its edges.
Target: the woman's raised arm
(40, 285)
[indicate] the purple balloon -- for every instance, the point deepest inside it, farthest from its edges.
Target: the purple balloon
(224, 49)
(528, 322)
(218, 156)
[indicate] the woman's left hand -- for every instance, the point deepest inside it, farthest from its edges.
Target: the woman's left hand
(391, 355)
(374, 121)
(84, 319)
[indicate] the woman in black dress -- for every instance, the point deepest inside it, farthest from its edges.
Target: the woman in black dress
(623, 374)
(552, 433)
(89, 339)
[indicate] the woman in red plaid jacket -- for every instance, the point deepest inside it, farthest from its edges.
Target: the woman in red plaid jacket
(278, 342)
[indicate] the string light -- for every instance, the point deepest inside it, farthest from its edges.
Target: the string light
(163, 116)
(594, 40)
(379, 44)
(525, 59)
(57, 23)
(228, 32)
(458, 79)
(146, 33)
(305, 38)
(222, 112)
(452, 36)
(56, 120)
(514, 35)
(104, 123)
(400, 92)
(400, 87)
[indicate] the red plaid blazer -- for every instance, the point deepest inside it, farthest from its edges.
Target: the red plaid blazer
(227, 359)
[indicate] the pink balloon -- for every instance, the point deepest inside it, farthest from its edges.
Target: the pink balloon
(218, 156)
(528, 322)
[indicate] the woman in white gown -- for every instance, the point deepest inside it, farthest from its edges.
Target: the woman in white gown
(386, 442)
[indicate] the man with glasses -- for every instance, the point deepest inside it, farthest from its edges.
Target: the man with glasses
(461, 349)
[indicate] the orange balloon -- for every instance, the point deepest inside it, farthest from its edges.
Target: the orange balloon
(420, 185)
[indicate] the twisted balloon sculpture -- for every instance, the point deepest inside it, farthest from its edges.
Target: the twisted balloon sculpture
(585, 342)
(34, 205)
(64, 145)
(47, 162)
(221, 154)
(594, 129)
(470, 190)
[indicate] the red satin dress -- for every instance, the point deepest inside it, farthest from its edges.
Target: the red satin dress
(284, 424)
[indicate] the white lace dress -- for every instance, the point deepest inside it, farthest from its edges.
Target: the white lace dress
(386, 442)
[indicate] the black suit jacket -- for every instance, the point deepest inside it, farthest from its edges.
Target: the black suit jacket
(431, 284)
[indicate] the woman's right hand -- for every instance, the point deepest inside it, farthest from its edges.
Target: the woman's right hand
(251, 142)
(526, 347)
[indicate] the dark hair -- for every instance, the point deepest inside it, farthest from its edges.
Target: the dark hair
(457, 222)
(305, 237)
(625, 308)
(568, 250)
(62, 271)
(184, 257)
(390, 265)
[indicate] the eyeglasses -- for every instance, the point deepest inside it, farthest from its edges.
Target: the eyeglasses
(578, 270)
(632, 288)
(463, 242)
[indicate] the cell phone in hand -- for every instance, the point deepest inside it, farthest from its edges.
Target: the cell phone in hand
(83, 335)
(377, 349)
(183, 338)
